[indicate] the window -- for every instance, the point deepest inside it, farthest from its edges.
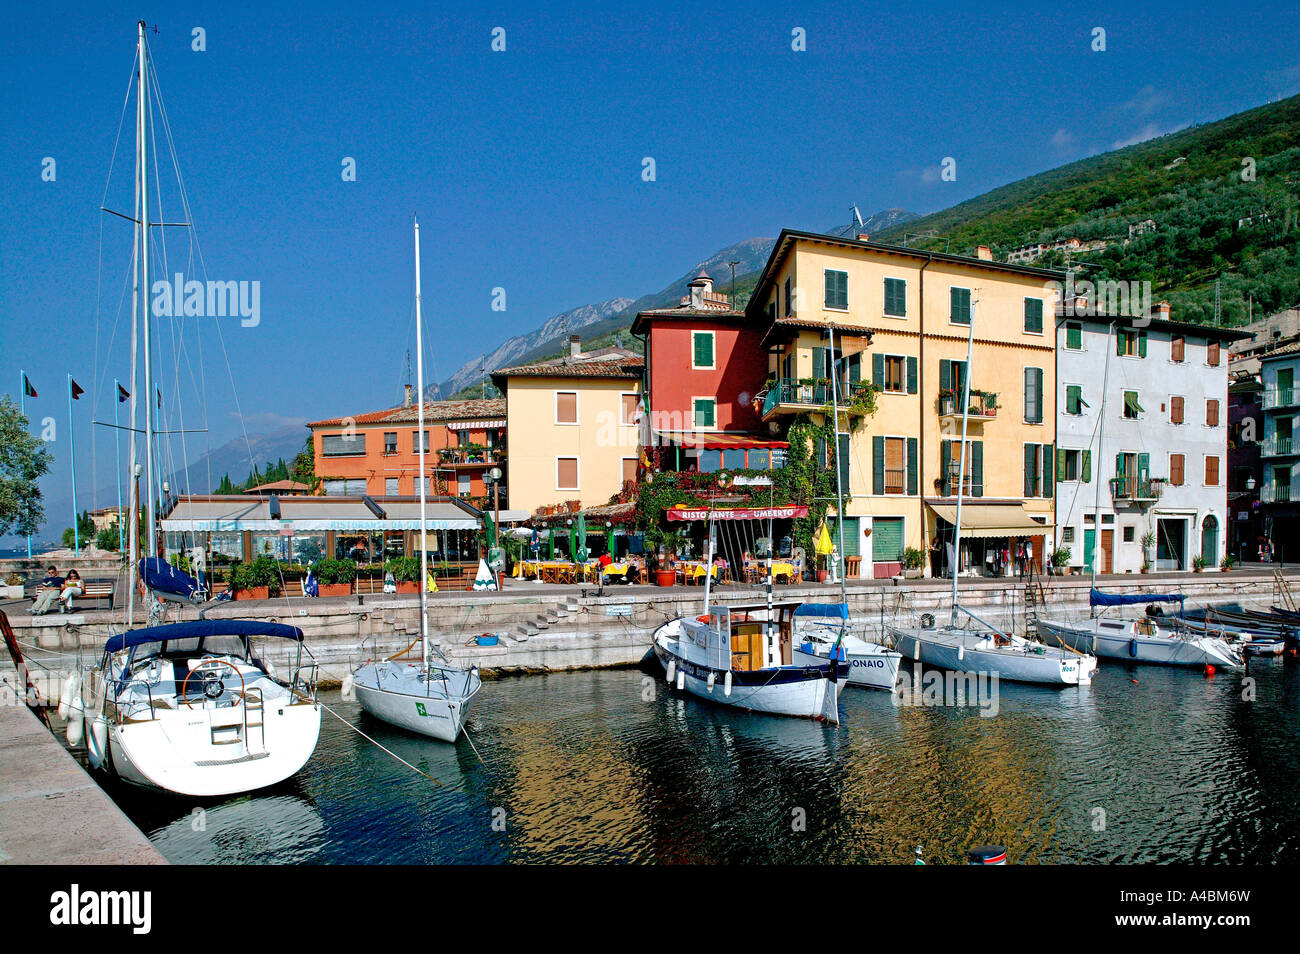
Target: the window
(1212, 412)
(1069, 465)
(1212, 354)
(895, 373)
(1211, 471)
(952, 377)
(1177, 466)
(1128, 533)
(896, 297)
(566, 473)
(1074, 335)
(1033, 395)
(789, 299)
(702, 349)
(462, 485)
(1131, 344)
(391, 485)
(704, 412)
(950, 465)
(1034, 316)
(1131, 406)
(343, 445)
(390, 442)
(1067, 534)
(353, 487)
(566, 407)
(1074, 402)
(837, 290)
(959, 306)
(629, 470)
(759, 459)
(415, 442)
(1178, 348)
(627, 408)
(895, 465)
(1038, 467)
(1176, 409)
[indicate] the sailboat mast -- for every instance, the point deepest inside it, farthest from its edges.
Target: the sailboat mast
(142, 141)
(839, 490)
(420, 441)
(1101, 434)
(961, 471)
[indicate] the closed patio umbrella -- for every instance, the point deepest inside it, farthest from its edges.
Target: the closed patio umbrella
(581, 531)
(550, 543)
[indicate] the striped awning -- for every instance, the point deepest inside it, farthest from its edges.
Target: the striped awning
(475, 425)
(992, 520)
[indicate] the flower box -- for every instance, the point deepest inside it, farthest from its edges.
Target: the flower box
(408, 586)
(254, 593)
(334, 589)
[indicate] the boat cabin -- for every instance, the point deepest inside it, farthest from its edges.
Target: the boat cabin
(750, 636)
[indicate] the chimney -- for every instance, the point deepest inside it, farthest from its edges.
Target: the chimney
(864, 237)
(407, 401)
(1160, 311)
(984, 253)
(575, 346)
(701, 286)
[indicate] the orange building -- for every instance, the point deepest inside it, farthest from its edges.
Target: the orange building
(375, 453)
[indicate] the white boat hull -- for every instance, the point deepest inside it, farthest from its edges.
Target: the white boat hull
(1163, 648)
(426, 713)
(870, 666)
(969, 652)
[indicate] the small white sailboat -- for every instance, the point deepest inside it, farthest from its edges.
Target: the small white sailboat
(988, 650)
(428, 698)
(1146, 639)
(190, 708)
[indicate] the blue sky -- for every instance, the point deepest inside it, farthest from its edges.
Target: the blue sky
(525, 165)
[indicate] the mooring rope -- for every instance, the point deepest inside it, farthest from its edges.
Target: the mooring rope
(378, 743)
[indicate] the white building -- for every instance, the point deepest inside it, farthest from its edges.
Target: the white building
(1158, 466)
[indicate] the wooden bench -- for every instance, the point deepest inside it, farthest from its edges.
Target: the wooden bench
(97, 590)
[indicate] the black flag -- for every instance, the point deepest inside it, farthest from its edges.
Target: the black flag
(27, 387)
(77, 389)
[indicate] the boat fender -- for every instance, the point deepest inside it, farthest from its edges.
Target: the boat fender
(1133, 648)
(961, 652)
(76, 720)
(70, 687)
(726, 684)
(681, 680)
(1209, 671)
(713, 678)
(97, 741)
(349, 688)
(672, 670)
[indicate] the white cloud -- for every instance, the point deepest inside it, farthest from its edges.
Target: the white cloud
(1149, 131)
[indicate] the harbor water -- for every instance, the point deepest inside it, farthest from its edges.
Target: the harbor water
(1148, 764)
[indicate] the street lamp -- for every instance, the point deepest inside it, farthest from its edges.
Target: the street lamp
(1250, 483)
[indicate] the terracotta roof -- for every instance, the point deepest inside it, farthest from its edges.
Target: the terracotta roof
(686, 313)
(611, 363)
(805, 324)
(434, 411)
(1286, 349)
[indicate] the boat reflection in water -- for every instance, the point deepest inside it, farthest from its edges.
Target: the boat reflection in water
(283, 828)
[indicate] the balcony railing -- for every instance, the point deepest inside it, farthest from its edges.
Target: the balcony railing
(798, 397)
(1130, 488)
(947, 486)
(1278, 447)
(1276, 397)
(983, 405)
(465, 455)
(1275, 493)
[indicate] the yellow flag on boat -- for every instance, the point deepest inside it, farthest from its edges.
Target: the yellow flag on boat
(823, 544)
(431, 584)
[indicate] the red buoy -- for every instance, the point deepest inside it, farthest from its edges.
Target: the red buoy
(1209, 671)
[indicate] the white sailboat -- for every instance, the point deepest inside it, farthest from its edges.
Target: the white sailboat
(188, 708)
(988, 650)
(822, 629)
(1142, 639)
(429, 698)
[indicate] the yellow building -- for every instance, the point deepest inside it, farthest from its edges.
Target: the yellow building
(571, 426)
(900, 319)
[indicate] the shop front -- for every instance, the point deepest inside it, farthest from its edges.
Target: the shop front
(997, 539)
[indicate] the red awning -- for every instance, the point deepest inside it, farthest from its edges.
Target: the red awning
(737, 513)
(719, 440)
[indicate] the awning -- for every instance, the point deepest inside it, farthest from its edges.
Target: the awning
(992, 520)
(475, 425)
(718, 440)
(736, 513)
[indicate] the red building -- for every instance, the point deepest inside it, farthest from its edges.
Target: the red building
(704, 363)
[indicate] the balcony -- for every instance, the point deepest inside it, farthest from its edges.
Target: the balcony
(1129, 489)
(1279, 397)
(794, 397)
(469, 456)
(983, 406)
(1276, 446)
(946, 485)
(1275, 493)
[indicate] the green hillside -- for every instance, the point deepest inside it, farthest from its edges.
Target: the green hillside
(1190, 183)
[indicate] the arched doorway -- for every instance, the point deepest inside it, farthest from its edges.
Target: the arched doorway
(1210, 539)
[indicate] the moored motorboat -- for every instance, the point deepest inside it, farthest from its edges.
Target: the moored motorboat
(820, 627)
(1011, 657)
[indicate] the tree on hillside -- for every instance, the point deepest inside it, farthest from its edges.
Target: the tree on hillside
(23, 461)
(304, 466)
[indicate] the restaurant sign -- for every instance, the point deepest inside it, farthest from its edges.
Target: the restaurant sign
(738, 513)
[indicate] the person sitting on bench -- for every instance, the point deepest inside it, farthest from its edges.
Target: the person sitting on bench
(72, 586)
(47, 591)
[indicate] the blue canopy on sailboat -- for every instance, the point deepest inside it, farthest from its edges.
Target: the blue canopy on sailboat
(826, 610)
(198, 629)
(1098, 598)
(160, 575)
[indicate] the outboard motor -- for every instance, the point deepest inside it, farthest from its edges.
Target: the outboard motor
(987, 855)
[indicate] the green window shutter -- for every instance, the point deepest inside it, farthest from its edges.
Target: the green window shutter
(1034, 315)
(819, 363)
(855, 369)
(1060, 461)
(945, 463)
(895, 297)
(1073, 399)
(886, 539)
(1142, 344)
(911, 375)
(945, 374)
(1074, 336)
(959, 305)
(911, 466)
(1144, 467)
(1085, 467)
(1031, 405)
(1049, 470)
(877, 465)
(704, 412)
(844, 465)
(837, 288)
(703, 349)
(1119, 343)
(1120, 469)
(878, 370)
(1031, 457)
(977, 468)
(852, 536)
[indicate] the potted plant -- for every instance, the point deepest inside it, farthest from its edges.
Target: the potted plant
(947, 401)
(14, 586)
(1148, 542)
(249, 582)
(406, 571)
(1227, 563)
(334, 577)
(1061, 560)
(912, 560)
(1200, 563)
